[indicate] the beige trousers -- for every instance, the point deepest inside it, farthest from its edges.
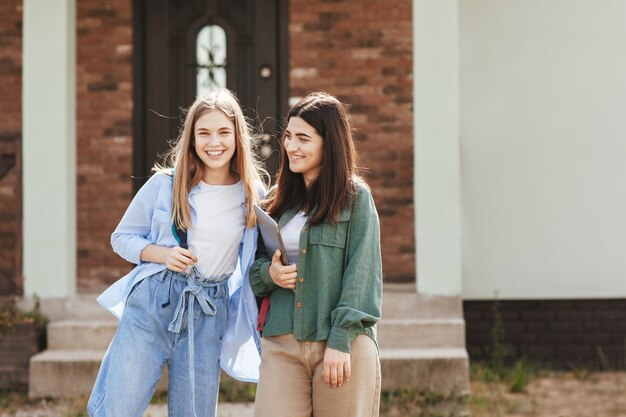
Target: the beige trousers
(291, 382)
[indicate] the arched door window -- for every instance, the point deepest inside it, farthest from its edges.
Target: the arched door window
(210, 59)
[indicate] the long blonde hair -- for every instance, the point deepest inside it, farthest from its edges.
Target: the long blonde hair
(190, 168)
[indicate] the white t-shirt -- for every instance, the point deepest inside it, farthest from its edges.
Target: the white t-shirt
(219, 227)
(291, 236)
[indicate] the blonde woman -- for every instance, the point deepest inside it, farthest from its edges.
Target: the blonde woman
(188, 303)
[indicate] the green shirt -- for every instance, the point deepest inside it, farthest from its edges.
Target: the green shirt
(339, 286)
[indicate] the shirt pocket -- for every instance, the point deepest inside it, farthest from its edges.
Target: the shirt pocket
(328, 234)
(160, 225)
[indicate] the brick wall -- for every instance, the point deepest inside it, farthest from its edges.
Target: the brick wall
(347, 48)
(104, 141)
(361, 52)
(563, 334)
(104, 136)
(10, 145)
(17, 345)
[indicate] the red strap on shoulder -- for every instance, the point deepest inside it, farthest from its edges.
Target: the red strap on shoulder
(265, 305)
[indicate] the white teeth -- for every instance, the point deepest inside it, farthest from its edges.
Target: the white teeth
(214, 153)
(296, 157)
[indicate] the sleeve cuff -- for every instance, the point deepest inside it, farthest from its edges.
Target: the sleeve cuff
(129, 249)
(265, 276)
(340, 339)
(139, 247)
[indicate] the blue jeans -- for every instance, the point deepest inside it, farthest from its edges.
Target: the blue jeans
(172, 319)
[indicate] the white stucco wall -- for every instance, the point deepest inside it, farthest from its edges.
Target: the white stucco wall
(543, 148)
(49, 147)
(436, 147)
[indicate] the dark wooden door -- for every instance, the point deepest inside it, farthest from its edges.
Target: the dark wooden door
(166, 67)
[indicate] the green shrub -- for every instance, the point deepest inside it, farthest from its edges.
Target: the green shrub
(10, 315)
(520, 375)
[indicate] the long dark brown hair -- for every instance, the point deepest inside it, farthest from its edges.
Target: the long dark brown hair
(335, 188)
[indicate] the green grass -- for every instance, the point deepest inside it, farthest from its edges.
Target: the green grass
(516, 378)
(232, 391)
(410, 402)
(491, 396)
(520, 375)
(14, 400)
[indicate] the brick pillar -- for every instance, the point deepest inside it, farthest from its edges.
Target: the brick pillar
(350, 49)
(10, 146)
(104, 140)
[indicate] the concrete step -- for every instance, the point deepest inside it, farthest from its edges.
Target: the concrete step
(393, 333)
(421, 338)
(63, 373)
(400, 301)
(81, 334)
(71, 373)
(421, 333)
(445, 371)
(82, 306)
(68, 373)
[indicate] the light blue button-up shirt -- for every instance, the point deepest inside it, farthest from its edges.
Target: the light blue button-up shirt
(148, 221)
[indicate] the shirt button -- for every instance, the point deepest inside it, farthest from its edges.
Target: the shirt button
(301, 279)
(304, 229)
(299, 305)
(303, 251)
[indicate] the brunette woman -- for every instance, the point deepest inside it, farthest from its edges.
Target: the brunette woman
(319, 350)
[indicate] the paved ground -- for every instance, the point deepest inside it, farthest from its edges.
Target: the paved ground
(48, 409)
(223, 410)
(569, 394)
(572, 395)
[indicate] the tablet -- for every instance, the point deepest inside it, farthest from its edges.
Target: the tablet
(271, 234)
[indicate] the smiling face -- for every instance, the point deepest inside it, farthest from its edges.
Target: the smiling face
(305, 149)
(215, 145)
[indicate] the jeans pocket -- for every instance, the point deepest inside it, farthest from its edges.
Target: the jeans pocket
(135, 290)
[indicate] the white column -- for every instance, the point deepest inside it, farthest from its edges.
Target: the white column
(49, 147)
(436, 147)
